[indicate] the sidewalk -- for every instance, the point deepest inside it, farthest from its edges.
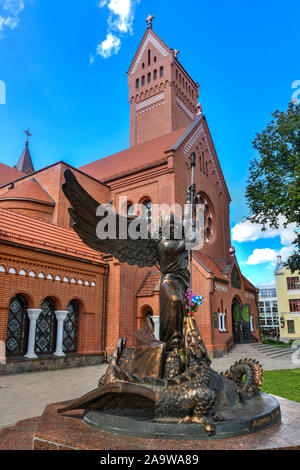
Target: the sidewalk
(26, 395)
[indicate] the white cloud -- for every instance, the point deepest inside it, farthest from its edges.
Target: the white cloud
(9, 13)
(247, 231)
(109, 46)
(120, 21)
(267, 255)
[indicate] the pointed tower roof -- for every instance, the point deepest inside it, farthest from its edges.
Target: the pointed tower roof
(25, 163)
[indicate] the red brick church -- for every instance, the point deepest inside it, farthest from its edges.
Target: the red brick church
(61, 298)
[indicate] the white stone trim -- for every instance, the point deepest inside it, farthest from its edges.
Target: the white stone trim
(149, 101)
(180, 105)
(60, 317)
(221, 287)
(249, 296)
(33, 314)
(150, 38)
(156, 322)
(150, 107)
(200, 132)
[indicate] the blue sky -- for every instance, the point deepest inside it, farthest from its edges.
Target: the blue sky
(245, 55)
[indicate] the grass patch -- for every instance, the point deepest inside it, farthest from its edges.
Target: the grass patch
(284, 383)
(279, 344)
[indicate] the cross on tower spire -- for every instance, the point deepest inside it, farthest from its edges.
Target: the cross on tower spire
(149, 20)
(28, 134)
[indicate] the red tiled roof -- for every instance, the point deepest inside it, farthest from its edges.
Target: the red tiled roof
(132, 159)
(149, 283)
(209, 264)
(23, 230)
(30, 189)
(8, 174)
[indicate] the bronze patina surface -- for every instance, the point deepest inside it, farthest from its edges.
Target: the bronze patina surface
(168, 381)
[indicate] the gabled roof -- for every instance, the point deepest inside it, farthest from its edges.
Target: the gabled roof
(29, 190)
(150, 284)
(26, 231)
(25, 163)
(8, 174)
(248, 285)
(209, 265)
(149, 36)
(135, 158)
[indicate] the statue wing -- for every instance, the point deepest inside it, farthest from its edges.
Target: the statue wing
(140, 252)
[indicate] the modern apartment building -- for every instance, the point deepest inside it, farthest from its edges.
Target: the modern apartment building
(268, 310)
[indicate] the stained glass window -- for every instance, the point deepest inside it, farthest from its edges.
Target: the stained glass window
(17, 327)
(70, 334)
(45, 339)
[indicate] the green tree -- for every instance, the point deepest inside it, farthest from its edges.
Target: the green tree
(273, 187)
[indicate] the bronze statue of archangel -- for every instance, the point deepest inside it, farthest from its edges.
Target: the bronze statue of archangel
(166, 245)
(169, 378)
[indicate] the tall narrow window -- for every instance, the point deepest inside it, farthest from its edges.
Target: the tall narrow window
(149, 77)
(130, 210)
(143, 80)
(294, 305)
(46, 328)
(137, 83)
(17, 327)
(70, 332)
(149, 57)
(155, 74)
(291, 326)
(161, 72)
(147, 209)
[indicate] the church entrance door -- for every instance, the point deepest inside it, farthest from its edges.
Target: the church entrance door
(241, 322)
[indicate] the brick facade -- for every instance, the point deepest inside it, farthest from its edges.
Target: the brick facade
(166, 125)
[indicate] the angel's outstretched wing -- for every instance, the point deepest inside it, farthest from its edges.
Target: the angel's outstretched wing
(140, 252)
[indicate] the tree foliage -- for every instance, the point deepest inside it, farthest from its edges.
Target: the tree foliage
(273, 187)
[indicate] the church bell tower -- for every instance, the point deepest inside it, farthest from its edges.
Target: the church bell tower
(162, 95)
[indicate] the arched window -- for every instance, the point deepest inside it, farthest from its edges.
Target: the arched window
(149, 56)
(207, 217)
(149, 77)
(137, 83)
(155, 59)
(155, 74)
(161, 72)
(46, 326)
(70, 333)
(17, 327)
(143, 80)
(130, 210)
(147, 209)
